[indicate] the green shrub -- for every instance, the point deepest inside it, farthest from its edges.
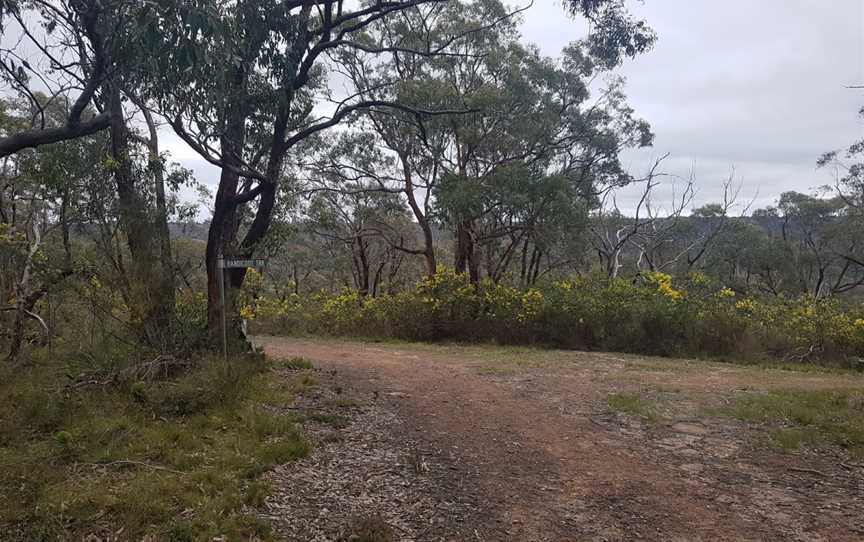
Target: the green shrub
(647, 314)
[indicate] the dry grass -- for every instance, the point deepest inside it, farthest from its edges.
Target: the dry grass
(171, 460)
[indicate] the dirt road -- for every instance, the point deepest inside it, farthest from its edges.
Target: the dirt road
(523, 447)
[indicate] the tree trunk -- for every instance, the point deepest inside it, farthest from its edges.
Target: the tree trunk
(429, 249)
(422, 220)
(220, 240)
(223, 228)
(22, 296)
(466, 253)
(167, 299)
(151, 305)
(362, 267)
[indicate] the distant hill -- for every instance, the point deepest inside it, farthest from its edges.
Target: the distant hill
(189, 230)
(771, 225)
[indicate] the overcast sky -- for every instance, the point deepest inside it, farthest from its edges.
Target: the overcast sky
(758, 85)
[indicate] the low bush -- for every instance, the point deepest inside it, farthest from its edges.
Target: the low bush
(648, 314)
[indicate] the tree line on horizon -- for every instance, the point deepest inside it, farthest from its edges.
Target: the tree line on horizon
(358, 144)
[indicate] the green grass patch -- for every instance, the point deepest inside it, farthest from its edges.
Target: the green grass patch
(295, 364)
(170, 460)
(811, 419)
(633, 405)
(303, 383)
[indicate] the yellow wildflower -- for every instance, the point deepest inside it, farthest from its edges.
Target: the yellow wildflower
(726, 292)
(745, 305)
(698, 278)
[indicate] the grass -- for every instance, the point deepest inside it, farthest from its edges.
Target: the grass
(808, 419)
(633, 405)
(171, 460)
(296, 363)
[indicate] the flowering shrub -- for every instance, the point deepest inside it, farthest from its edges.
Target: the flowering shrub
(191, 308)
(664, 286)
(653, 314)
(343, 311)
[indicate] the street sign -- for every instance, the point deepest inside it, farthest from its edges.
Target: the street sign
(223, 263)
(233, 263)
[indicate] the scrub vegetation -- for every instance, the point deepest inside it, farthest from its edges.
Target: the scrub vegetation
(410, 170)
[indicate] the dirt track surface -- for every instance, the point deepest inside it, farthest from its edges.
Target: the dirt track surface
(524, 448)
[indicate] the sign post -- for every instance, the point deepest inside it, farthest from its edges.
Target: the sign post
(231, 263)
(221, 264)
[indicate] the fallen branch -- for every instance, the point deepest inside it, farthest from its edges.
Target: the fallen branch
(161, 368)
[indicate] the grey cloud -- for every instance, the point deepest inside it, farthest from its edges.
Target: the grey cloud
(755, 84)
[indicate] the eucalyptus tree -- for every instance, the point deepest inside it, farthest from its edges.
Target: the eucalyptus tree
(612, 232)
(542, 125)
(357, 223)
(78, 57)
(522, 116)
(534, 226)
(849, 186)
(353, 202)
(806, 245)
(66, 50)
(44, 196)
(823, 241)
(849, 168)
(422, 43)
(615, 33)
(747, 257)
(243, 84)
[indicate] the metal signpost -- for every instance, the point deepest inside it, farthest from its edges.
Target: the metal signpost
(223, 263)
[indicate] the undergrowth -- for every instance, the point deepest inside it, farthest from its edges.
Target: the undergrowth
(294, 364)
(633, 405)
(806, 419)
(652, 314)
(171, 460)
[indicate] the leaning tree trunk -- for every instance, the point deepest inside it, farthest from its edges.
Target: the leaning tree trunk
(222, 236)
(152, 307)
(23, 300)
(27, 297)
(221, 240)
(166, 294)
(421, 217)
